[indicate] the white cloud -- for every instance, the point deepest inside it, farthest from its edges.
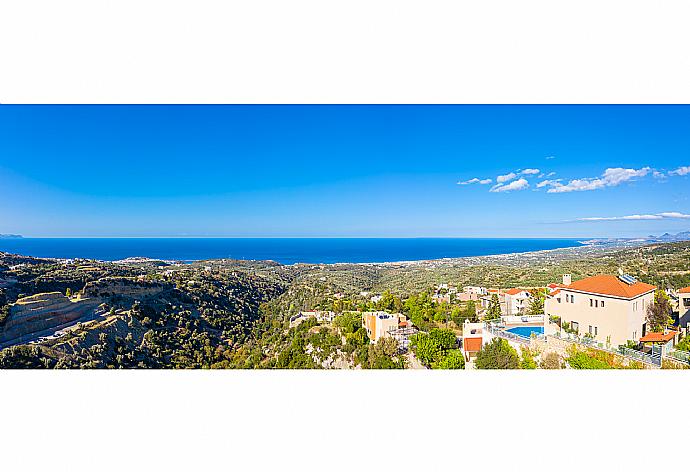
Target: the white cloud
(674, 214)
(656, 216)
(544, 183)
(530, 171)
(505, 178)
(548, 158)
(658, 175)
(617, 218)
(520, 184)
(684, 170)
(610, 178)
(475, 181)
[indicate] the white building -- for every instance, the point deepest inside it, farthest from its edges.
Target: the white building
(379, 323)
(517, 301)
(479, 291)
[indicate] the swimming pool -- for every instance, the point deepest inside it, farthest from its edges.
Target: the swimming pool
(526, 331)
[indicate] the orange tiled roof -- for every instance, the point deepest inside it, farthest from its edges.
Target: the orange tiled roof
(514, 291)
(555, 292)
(658, 337)
(610, 285)
(472, 344)
(684, 290)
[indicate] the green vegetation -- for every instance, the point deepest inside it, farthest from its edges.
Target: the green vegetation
(494, 310)
(437, 349)
(497, 354)
(588, 358)
(536, 306)
(527, 359)
(659, 312)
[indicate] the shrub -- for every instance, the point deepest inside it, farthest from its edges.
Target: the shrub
(551, 361)
(453, 359)
(527, 361)
(498, 354)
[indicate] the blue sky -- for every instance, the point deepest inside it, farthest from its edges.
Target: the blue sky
(360, 171)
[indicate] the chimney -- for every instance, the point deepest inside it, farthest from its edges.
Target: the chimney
(566, 279)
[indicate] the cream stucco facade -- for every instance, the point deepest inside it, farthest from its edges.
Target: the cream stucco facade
(684, 309)
(609, 319)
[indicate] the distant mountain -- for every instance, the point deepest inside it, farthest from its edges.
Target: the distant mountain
(11, 236)
(666, 237)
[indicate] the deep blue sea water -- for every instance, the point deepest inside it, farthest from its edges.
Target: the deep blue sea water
(283, 250)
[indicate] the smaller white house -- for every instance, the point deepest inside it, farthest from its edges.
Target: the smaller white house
(517, 301)
(472, 339)
(479, 291)
(440, 298)
(321, 317)
(380, 323)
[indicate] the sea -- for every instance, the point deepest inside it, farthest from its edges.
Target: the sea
(282, 250)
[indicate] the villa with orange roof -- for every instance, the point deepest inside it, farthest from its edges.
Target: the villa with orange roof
(517, 301)
(612, 310)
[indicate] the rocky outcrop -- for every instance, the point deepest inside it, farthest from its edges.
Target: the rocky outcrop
(123, 287)
(44, 311)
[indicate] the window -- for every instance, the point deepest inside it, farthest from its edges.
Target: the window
(591, 303)
(602, 303)
(567, 298)
(572, 298)
(590, 329)
(596, 303)
(559, 300)
(576, 326)
(596, 331)
(686, 302)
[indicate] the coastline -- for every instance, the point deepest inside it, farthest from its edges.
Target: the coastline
(587, 248)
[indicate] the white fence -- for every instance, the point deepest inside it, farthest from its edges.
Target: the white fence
(522, 319)
(653, 357)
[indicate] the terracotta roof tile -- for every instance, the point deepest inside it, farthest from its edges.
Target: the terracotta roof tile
(658, 337)
(610, 285)
(514, 291)
(684, 290)
(472, 344)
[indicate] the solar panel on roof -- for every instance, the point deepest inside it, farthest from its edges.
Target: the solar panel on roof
(628, 279)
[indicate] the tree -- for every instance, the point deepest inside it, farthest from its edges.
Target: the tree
(494, 310)
(471, 310)
(659, 312)
(445, 338)
(498, 354)
(536, 306)
(382, 355)
(453, 359)
(425, 348)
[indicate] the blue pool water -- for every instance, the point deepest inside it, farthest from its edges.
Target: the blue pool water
(526, 331)
(284, 250)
